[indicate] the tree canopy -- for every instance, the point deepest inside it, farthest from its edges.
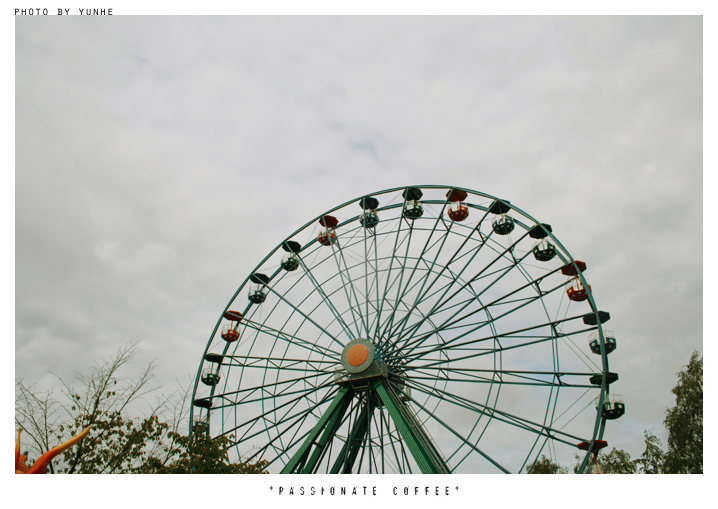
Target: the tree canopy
(684, 422)
(651, 462)
(545, 465)
(117, 442)
(617, 461)
(199, 454)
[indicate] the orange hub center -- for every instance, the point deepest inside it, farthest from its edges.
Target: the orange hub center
(357, 355)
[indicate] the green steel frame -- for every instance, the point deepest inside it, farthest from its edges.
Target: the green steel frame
(476, 335)
(421, 446)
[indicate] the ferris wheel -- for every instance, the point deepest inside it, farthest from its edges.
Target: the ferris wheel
(426, 329)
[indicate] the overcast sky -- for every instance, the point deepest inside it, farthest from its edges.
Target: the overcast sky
(159, 159)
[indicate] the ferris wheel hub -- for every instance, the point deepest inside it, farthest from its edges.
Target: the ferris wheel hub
(357, 355)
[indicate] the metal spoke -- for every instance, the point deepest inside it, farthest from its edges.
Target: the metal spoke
(267, 413)
(305, 316)
(325, 298)
(420, 297)
(389, 322)
(460, 437)
(313, 347)
(352, 287)
(417, 342)
(471, 377)
(471, 339)
(496, 414)
(485, 289)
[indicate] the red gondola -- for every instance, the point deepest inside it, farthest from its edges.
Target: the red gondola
(576, 291)
(328, 236)
(229, 332)
(597, 446)
(457, 210)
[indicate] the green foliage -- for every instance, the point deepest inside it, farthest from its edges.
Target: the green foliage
(118, 443)
(653, 457)
(99, 399)
(199, 454)
(544, 465)
(115, 444)
(617, 461)
(684, 422)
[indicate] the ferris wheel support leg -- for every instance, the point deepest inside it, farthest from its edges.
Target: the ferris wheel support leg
(420, 445)
(329, 422)
(354, 443)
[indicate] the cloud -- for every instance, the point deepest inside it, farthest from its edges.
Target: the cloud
(159, 160)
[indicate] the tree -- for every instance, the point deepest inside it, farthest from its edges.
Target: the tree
(100, 399)
(684, 422)
(117, 442)
(37, 412)
(653, 458)
(617, 461)
(544, 465)
(200, 454)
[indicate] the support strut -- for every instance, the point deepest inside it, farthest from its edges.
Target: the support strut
(329, 422)
(351, 448)
(412, 432)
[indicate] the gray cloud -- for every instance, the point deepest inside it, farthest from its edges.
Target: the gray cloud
(158, 160)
